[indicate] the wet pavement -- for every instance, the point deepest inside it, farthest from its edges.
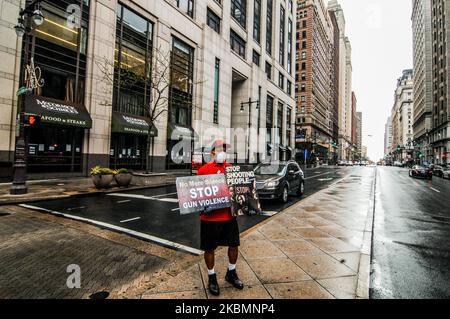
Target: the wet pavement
(411, 250)
(152, 214)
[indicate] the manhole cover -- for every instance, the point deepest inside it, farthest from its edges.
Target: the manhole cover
(4, 214)
(99, 295)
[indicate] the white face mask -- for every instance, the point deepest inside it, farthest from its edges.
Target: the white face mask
(221, 157)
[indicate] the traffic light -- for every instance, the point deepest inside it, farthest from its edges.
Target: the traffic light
(31, 120)
(398, 149)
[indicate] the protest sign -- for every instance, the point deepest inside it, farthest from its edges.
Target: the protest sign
(242, 186)
(205, 193)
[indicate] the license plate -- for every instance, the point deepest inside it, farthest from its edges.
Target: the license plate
(423, 172)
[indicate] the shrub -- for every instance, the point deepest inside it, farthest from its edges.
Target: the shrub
(122, 171)
(97, 170)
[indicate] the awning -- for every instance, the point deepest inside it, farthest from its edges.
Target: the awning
(177, 132)
(132, 124)
(57, 112)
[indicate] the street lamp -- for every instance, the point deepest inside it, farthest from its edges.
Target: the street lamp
(249, 103)
(23, 27)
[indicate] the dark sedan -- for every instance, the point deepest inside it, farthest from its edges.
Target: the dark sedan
(278, 181)
(421, 172)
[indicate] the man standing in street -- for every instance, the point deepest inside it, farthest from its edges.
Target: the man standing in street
(219, 227)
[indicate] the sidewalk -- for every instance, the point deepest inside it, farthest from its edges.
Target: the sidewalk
(62, 188)
(318, 248)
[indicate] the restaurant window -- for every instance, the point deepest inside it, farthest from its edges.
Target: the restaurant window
(216, 91)
(282, 35)
(181, 88)
(237, 43)
(239, 10)
(213, 20)
(187, 6)
(59, 49)
(132, 72)
(269, 21)
(257, 21)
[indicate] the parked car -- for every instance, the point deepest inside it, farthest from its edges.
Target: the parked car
(446, 173)
(438, 170)
(421, 172)
(342, 163)
(278, 181)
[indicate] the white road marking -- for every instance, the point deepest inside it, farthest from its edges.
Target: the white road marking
(121, 229)
(129, 220)
(317, 175)
(435, 189)
(165, 194)
(34, 181)
(175, 209)
(325, 179)
(169, 200)
(73, 208)
(123, 201)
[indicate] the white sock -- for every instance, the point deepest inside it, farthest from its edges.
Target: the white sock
(211, 272)
(231, 267)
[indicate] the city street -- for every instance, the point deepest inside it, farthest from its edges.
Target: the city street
(411, 254)
(153, 214)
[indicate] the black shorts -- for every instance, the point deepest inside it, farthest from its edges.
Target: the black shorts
(215, 234)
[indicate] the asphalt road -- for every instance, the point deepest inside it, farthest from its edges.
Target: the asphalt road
(411, 240)
(153, 213)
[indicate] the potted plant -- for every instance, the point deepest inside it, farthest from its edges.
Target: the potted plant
(123, 177)
(102, 177)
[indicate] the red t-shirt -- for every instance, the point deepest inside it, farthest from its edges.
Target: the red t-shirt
(219, 215)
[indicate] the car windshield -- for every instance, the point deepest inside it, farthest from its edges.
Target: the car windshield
(270, 169)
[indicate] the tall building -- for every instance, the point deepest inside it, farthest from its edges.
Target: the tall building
(440, 118)
(98, 73)
(335, 83)
(314, 86)
(345, 82)
(423, 73)
(354, 122)
(359, 133)
(388, 136)
(402, 118)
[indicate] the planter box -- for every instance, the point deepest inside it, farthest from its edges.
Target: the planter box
(152, 179)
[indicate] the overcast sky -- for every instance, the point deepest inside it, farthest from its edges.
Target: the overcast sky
(381, 37)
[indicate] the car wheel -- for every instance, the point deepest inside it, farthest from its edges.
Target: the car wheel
(410, 174)
(301, 189)
(285, 195)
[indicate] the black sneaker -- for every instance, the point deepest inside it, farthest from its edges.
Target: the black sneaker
(213, 286)
(233, 279)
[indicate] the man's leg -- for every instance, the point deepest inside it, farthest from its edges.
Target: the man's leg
(231, 275)
(209, 259)
(213, 286)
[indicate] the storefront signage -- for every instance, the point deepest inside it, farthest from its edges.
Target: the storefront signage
(202, 194)
(242, 185)
(122, 123)
(55, 112)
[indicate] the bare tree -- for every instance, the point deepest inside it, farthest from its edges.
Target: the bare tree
(158, 83)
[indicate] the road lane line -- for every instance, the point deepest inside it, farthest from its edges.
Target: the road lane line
(435, 189)
(317, 175)
(165, 194)
(175, 209)
(169, 200)
(123, 201)
(73, 208)
(147, 237)
(129, 220)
